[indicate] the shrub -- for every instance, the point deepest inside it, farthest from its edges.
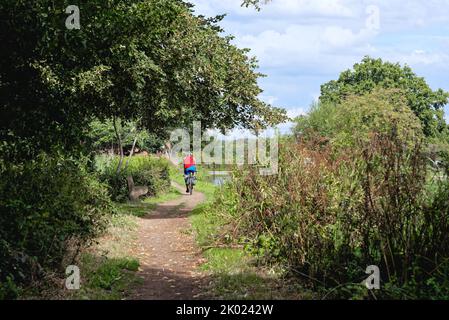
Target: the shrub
(362, 196)
(146, 171)
(49, 205)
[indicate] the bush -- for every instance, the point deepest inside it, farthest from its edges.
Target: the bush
(355, 121)
(362, 196)
(49, 205)
(146, 171)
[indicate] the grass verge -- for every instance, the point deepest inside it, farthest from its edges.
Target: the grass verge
(235, 273)
(108, 269)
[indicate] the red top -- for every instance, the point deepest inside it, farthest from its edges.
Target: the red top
(189, 161)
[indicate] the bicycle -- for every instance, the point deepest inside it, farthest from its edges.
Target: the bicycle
(190, 182)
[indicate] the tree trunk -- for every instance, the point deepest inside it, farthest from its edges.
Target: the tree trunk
(120, 146)
(131, 153)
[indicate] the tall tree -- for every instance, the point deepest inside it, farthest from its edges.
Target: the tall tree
(428, 105)
(148, 59)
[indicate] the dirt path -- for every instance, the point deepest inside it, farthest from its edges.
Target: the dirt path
(168, 253)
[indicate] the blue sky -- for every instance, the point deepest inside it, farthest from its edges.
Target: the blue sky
(302, 44)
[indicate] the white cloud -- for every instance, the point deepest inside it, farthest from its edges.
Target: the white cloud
(295, 112)
(336, 36)
(269, 99)
(325, 37)
(320, 49)
(329, 8)
(425, 58)
(302, 44)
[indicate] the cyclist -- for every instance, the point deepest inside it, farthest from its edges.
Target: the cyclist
(189, 166)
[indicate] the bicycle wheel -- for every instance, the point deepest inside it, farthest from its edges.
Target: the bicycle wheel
(190, 184)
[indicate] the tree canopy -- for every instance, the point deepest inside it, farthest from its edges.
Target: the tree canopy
(358, 117)
(136, 59)
(102, 136)
(428, 105)
(254, 3)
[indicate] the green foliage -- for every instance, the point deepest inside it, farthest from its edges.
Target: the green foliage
(370, 74)
(356, 118)
(152, 60)
(148, 59)
(254, 3)
(106, 278)
(110, 273)
(362, 195)
(233, 271)
(146, 171)
(102, 136)
(345, 123)
(8, 289)
(48, 205)
(319, 119)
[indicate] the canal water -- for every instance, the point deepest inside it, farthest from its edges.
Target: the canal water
(219, 178)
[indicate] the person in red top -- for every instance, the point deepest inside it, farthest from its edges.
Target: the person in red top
(189, 163)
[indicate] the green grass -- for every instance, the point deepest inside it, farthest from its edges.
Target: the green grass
(104, 278)
(233, 271)
(224, 260)
(108, 269)
(140, 209)
(202, 183)
(109, 273)
(172, 194)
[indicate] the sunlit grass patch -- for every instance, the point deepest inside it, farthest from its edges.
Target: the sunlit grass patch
(237, 277)
(144, 207)
(104, 278)
(172, 194)
(224, 260)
